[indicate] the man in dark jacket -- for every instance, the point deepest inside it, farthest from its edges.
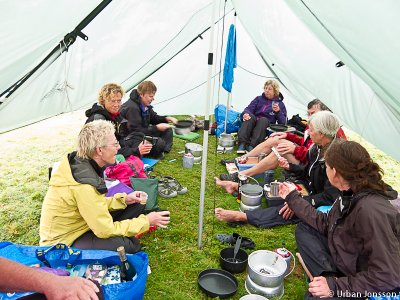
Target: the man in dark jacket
(142, 118)
(107, 108)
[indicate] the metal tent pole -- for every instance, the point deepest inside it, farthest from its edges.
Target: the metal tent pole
(206, 128)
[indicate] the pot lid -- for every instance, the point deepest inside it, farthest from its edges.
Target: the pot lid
(183, 124)
(194, 147)
(251, 189)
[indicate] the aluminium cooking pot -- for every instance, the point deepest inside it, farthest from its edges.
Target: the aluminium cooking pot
(266, 268)
(183, 127)
(243, 207)
(251, 194)
(195, 149)
(226, 140)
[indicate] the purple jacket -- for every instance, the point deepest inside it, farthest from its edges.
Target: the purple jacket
(262, 107)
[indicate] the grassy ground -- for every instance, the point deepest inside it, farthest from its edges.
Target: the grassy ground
(174, 257)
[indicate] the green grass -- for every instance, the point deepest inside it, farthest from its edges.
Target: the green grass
(174, 256)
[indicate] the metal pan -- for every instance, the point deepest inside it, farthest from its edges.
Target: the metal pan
(278, 127)
(184, 123)
(217, 283)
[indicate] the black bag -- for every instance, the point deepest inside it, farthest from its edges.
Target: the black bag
(297, 122)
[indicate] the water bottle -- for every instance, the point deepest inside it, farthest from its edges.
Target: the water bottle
(128, 271)
(269, 176)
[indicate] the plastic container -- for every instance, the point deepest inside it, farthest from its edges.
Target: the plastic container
(243, 167)
(269, 176)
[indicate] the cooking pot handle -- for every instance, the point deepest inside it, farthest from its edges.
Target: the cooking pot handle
(255, 180)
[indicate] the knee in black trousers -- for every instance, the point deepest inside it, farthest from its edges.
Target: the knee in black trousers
(313, 247)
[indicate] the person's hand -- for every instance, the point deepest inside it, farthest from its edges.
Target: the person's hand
(275, 107)
(285, 188)
(70, 288)
(242, 159)
(286, 148)
(145, 148)
(283, 163)
(246, 117)
(159, 218)
(172, 120)
(133, 197)
(163, 126)
(319, 288)
(279, 135)
(286, 212)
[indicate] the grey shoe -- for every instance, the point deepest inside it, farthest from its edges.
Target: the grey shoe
(175, 185)
(249, 148)
(241, 149)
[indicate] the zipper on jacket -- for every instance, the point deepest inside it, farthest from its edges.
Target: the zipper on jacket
(312, 165)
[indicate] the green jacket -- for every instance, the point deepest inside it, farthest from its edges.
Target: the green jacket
(71, 208)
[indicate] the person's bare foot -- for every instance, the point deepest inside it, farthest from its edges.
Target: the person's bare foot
(228, 186)
(230, 215)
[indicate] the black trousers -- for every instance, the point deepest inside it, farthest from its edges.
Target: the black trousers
(132, 245)
(164, 142)
(253, 131)
(130, 144)
(268, 217)
(313, 247)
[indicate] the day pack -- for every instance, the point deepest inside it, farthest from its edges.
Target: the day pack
(132, 167)
(233, 123)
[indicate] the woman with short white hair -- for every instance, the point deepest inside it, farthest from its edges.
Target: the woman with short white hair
(76, 211)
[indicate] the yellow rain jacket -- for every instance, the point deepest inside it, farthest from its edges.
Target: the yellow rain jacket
(71, 208)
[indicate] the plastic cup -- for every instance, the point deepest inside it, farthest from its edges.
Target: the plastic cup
(164, 213)
(143, 198)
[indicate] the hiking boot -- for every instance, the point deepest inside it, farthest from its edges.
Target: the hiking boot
(241, 149)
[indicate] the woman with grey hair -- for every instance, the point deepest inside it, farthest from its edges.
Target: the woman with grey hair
(323, 128)
(268, 108)
(76, 211)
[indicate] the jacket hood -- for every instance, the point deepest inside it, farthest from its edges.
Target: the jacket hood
(134, 96)
(96, 109)
(62, 176)
(74, 171)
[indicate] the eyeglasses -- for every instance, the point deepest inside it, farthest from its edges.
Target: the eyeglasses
(115, 144)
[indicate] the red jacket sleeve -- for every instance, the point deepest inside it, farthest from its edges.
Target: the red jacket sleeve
(294, 138)
(341, 134)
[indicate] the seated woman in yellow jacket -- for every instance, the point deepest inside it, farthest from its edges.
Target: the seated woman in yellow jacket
(76, 211)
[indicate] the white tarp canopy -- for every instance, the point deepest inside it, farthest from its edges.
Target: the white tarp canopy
(299, 42)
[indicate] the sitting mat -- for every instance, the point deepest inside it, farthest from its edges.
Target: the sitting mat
(149, 162)
(191, 136)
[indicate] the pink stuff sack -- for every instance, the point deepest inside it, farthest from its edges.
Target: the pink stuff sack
(132, 167)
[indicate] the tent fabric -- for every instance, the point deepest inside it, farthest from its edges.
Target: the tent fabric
(31, 29)
(300, 42)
